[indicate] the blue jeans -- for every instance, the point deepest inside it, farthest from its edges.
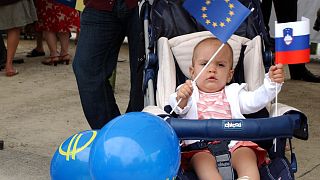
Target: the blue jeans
(100, 39)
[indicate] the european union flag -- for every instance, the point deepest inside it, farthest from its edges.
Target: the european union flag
(221, 17)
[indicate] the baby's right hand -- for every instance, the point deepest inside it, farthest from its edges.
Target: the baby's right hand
(185, 91)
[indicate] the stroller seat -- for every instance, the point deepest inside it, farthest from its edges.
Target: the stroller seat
(180, 49)
(175, 54)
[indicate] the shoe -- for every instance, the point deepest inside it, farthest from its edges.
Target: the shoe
(65, 59)
(12, 73)
(35, 53)
(308, 77)
(53, 60)
(17, 61)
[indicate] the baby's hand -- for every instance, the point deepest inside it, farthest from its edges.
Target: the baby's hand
(185, 91)
(276, 73)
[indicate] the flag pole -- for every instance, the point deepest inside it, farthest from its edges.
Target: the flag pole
(197, 77)
(276, 100)
(276, 112)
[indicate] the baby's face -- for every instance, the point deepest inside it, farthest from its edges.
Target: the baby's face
(218, 73)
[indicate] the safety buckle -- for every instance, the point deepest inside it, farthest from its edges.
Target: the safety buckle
(223, 159)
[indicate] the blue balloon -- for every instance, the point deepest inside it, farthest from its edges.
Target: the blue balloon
(71, 159)
(136, 145)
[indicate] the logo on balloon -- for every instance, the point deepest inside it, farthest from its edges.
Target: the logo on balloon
(73, 148)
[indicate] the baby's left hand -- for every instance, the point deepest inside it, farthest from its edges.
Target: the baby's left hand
(276, 73)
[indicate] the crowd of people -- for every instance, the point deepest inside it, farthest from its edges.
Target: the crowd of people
(52, 21)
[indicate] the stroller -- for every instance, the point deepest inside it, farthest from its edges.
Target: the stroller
(168, 49)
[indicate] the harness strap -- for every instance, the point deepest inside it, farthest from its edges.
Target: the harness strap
(220, 151)
(195, 146)
(223, 159)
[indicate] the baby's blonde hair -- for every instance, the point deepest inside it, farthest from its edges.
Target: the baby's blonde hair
(216, 42)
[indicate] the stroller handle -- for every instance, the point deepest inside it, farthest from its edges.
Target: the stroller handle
(236, 129)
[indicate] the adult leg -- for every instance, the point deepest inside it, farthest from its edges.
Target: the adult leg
(204, 164)
(136, 102)
(316, 25)
(244, 161)
(286, 11)
(266, 7)
(38, 50)
(64, 42)
(96, 56)
(39, 39)
(12, 44)
(51, 39)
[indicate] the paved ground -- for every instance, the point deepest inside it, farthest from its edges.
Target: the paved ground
(40, 108)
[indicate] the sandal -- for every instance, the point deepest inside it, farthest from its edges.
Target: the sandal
(54, 60)
(35, 53)
(12, 73)
(65, 58)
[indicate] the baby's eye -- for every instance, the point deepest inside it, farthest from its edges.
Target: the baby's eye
(203, 63)
(221, 65)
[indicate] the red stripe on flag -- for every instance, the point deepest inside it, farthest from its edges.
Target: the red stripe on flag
(293, 57)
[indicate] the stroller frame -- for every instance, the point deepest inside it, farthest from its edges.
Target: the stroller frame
(293, 122)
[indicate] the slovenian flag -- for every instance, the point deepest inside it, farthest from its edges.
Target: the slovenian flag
(292, 42)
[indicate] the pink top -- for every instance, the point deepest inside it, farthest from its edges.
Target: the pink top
(213, 106)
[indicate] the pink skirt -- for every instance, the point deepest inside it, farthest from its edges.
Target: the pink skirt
(260, 153)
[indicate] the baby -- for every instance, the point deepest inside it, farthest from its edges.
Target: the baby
(212, 98)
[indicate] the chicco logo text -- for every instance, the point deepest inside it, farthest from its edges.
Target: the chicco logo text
(234, 124)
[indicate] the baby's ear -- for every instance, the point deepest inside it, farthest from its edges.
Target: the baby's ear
(230, 76)
(191, 71)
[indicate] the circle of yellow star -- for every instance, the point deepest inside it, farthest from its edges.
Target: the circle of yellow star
(222, 23)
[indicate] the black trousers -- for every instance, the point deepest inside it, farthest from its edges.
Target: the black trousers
(286, 11)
